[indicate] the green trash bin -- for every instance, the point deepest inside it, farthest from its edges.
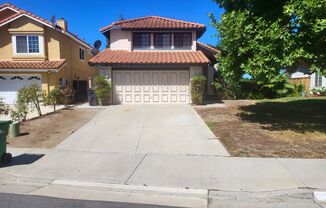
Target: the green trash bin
(4, 128)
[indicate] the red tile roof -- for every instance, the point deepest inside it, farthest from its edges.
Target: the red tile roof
(24, 12)
(33, 64)
(154, 22)
(121, 57)
(207, 47)
(5, 19)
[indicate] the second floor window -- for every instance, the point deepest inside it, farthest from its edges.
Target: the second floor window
(182, 40)
(162, 40)
(27, 44)
(141, 40)
(81, 54)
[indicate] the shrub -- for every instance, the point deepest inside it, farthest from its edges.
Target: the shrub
(321, 91)
(53, 97)
(299, 90)
(4, 109)
(197, 89)
(102, 89)
(32, 94)
(66, 94)
(219, 90)
(21, 107)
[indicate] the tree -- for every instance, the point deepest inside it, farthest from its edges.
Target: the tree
(308, 28)
(53, 97)
(258, 38)
(33, 95)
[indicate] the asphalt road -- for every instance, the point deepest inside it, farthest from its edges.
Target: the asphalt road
(24, 201)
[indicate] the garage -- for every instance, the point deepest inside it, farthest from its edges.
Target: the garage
(150, 86)
(10, 84)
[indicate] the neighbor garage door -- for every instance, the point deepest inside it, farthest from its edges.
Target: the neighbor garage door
(150, 86)
(10, 84)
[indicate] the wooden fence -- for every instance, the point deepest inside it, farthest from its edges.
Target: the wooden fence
(305, 81)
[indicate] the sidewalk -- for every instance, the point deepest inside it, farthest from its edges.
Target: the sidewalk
(171, 180)
(178, 171)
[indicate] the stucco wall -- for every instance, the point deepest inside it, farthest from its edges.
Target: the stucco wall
(120, 40)
(5, 44)
(23, 26)
(56, 46)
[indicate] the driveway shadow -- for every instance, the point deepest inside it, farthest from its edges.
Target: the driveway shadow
(301, 116)
(24, 159)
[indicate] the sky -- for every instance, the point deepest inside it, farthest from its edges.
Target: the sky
(86, 17)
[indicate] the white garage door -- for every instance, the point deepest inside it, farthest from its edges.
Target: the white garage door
(10, 84)
(149, 86)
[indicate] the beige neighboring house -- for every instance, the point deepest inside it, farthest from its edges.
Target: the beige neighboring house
(152, 59)
(309, 80)
(35, 50)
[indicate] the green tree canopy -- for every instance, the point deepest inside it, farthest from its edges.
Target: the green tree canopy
(265, 38)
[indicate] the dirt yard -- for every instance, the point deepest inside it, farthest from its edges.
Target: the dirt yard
(293, 128)
(49, 130)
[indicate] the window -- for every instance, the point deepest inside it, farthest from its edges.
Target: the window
(318, 80)
(141, 40)
(28, 44)
(81, 54)
(162, 40)
(182, 40)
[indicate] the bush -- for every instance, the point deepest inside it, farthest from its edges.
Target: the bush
(197, 89)
(299, 90)
(4, 109)
(321, 91)
(66, 94)
(21, 107)
(219, 90)
(102, 89)
(53, 97)
(33, 95)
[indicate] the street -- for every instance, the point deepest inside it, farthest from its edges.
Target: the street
(24, 201)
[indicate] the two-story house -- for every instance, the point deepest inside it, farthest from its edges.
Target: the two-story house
(152, 59)
(35, 50)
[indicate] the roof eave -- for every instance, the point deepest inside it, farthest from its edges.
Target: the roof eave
(146, 64)
(34, 70)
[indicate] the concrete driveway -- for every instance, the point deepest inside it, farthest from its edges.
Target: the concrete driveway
(166, 129)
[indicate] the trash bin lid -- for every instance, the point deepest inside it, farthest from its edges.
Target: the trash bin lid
(5, 122)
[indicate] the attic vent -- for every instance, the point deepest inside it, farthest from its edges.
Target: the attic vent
(17, 78)
(34, 78)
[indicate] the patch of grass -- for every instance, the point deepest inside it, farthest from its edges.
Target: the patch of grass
(287, 127)
(299, 115)
(211, 125)
(288, 99)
